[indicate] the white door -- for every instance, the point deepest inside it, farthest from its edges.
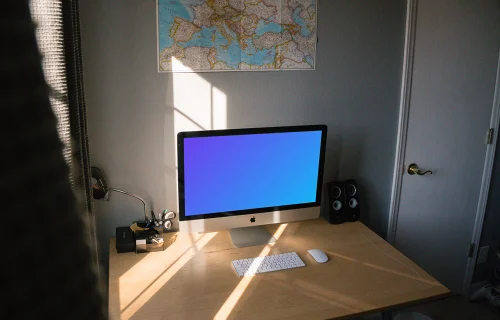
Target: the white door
(454, 73)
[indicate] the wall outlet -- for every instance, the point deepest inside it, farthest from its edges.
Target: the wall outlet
(483, 255)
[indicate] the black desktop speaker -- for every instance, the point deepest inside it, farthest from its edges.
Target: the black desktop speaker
(335, 210)
(351, 192)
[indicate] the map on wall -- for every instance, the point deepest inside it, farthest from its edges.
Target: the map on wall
(236, 35)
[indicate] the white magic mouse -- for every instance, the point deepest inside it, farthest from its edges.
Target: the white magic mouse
(318, 255)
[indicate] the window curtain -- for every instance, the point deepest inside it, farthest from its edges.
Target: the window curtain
(48, 264)
(58, 37)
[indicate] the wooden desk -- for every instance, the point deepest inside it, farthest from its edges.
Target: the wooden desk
(194, 279)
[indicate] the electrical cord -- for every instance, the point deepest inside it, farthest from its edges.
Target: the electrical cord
(135, 196)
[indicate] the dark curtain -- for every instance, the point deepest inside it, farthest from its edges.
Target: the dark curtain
(49, 263)
(77, 110)
(58, 35)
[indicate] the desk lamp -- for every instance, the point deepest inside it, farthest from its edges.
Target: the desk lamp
(100, 190)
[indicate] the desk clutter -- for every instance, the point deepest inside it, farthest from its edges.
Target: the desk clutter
(144, 236)
(141, 236)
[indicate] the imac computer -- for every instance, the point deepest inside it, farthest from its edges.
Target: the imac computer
(240, 178)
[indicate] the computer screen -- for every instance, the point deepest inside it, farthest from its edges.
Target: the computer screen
(237, 172)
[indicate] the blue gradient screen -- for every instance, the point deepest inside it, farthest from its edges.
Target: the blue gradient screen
(241, 172)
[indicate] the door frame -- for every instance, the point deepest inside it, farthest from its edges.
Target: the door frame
(404, 108)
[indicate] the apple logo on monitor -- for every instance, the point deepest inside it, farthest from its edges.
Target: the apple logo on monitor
(252, 219)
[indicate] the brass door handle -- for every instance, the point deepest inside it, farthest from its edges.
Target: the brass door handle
(414, 169)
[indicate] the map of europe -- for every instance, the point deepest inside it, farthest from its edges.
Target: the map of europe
(236, 35)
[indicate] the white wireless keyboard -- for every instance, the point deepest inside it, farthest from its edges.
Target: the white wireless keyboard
(251, 266)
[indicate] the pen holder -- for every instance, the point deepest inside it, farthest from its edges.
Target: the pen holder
(149, 240)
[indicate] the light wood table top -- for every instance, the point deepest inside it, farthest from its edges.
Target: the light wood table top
(194, 279)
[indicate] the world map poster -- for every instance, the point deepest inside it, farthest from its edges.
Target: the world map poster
(236, 35)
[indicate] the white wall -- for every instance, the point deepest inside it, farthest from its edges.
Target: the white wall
(132, 113)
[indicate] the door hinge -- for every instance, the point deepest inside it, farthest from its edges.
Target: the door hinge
(489, 138)
(471, 250)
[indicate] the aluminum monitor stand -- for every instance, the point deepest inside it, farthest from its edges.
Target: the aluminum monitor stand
(250, 236)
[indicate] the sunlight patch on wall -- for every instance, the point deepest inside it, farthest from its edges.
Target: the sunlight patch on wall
(197, 104)
(219, 114)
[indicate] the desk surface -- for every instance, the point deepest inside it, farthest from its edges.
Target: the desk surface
(194, 279)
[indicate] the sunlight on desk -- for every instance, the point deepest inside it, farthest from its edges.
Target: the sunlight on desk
(194, 278)
(173, 259)
(410, 275)
(346, 302)
(343, 257)
(235, 296)
(418, 278)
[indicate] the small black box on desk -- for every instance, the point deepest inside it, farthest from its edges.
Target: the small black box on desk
(125, 240)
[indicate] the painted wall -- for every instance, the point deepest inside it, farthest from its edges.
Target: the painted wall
(134, 112)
